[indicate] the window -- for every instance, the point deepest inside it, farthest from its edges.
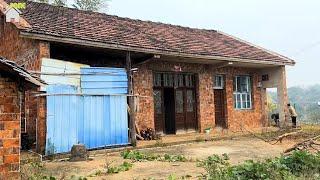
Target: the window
(168, 80)
(242, 92)
(157, 80)
(158, 101)
(179, 101)
(218, 82)
(189, 80)
(190, 100)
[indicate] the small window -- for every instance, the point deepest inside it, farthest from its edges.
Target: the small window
(168, 80)
(242, 92)
(157, 79)
(189, 80)
(178, 81)
(218, 82)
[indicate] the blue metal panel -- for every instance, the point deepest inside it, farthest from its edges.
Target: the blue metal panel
(96, 121)
(62, 113)
(105, 81)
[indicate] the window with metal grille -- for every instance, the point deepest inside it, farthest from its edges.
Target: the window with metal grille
(242, 92)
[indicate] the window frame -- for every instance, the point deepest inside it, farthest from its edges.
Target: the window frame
(242, 99)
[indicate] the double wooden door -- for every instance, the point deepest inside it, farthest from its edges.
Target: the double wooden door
(175, 103)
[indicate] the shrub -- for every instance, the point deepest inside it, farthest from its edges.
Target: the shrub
(139, 156)
(125, 166)
(300, 164)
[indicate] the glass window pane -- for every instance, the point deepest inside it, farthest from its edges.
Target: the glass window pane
(168, 80)
(179, 101)
(190, 101)
(189, 80)
(235, 100)
(157, 79)
(158, 101)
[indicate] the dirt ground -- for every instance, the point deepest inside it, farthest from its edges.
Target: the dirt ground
(238, 149)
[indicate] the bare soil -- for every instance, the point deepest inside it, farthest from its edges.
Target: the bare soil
(238, 149)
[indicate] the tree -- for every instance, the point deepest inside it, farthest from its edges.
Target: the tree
(88, 5)
(53, 2)
(59, 3)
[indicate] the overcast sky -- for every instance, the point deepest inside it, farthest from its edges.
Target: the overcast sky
(289, 27)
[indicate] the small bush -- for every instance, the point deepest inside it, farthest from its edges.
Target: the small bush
(300, 164)
(125, 166)
(139, 156)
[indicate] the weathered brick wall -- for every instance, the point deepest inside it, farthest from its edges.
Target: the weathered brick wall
(143, 86)
(251, 118)
(28, 53)
(41, 124)
(9, 130)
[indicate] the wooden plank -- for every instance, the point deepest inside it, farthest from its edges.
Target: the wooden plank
(131, 101)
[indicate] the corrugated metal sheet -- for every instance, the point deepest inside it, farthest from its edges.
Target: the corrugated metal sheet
(93, 120)
(54, 66)
(107, 80)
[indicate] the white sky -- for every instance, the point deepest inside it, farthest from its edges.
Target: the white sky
(289, 27)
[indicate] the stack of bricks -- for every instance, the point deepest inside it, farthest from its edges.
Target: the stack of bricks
(9, 130)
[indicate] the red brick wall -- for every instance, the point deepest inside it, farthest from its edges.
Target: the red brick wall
(143, 86)
(251, 118)
(9, 130)
(26, 52)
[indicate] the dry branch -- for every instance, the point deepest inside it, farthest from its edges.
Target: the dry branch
(308, 143)
(281, 137)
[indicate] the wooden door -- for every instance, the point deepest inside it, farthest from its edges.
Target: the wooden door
(219, 103)
(191, 119)
(180, 110)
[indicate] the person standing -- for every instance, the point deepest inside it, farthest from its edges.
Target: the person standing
(293, 115)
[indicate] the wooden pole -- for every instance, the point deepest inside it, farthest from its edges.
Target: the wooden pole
(131, 100)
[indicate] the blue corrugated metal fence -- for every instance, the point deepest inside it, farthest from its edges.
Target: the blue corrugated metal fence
(97, 118)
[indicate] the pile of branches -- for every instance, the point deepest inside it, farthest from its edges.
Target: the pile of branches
(308, 144)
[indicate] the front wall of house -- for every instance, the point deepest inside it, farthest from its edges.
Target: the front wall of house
(25, 52)
(143, 86)
(239, 119)
(9, 129)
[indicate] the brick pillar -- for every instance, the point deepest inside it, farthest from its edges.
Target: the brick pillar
(282, 96)
(41, 124)
(143, 86)
(9, 130)
(206, 111)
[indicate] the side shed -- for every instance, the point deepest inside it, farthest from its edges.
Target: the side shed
(14, 81)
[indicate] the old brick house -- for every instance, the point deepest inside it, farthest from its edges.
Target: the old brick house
(185, 79)
(14, 81)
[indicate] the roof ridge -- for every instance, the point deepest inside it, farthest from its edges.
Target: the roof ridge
(122, 18)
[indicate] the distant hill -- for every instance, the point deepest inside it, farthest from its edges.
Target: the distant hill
(305, 100)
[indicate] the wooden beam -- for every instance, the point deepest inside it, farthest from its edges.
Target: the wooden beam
(131, 100)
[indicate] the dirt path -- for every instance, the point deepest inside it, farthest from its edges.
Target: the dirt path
(239, 149)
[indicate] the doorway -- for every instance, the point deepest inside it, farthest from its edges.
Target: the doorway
(169, 111)
(174, 102)
(220, 101)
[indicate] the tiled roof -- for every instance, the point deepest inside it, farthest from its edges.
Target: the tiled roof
(113, 30)
(13, 68)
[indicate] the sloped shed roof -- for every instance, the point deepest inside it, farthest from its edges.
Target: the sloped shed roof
(18, 71)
